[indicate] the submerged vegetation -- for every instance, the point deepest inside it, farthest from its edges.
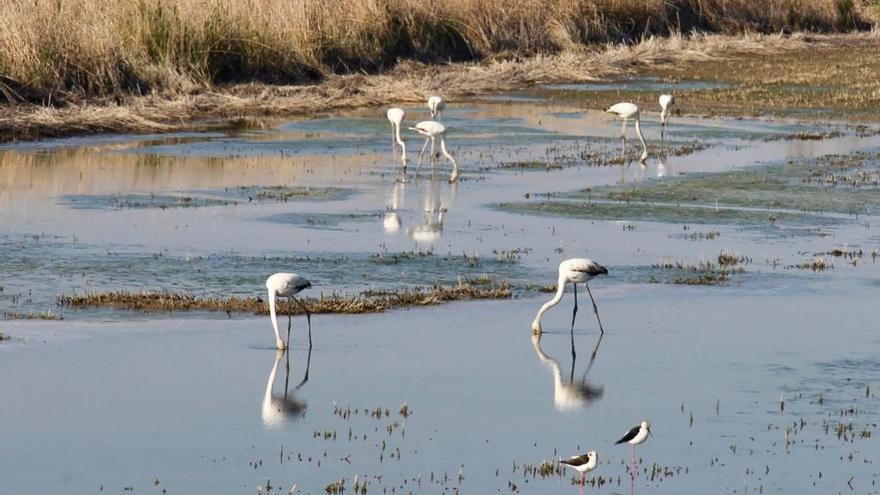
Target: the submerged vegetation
(370, 301)
(705, 272)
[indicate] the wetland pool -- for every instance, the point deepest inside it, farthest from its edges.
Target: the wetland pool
(739, 307)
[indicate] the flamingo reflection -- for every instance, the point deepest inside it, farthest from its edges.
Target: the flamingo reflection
(280, 408)
(572, 393)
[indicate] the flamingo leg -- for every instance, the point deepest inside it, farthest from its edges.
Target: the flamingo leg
(575, 311)
(432, 152)
(623, 130)
(421, 154)
(595, 309)
(308, 319)
(393, 143)
(289, 324)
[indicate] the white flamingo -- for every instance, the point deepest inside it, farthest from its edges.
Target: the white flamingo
(432, 131)
(574, 270)
(436, 105)
(396, 116)
(629, 111)
(287, 285)
(666, 103)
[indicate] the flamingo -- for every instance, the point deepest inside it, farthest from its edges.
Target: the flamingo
(396, 116)
(574, 270)
(287, 285)
(432, 131)
(666, 102)
(582, 464)
(628, 111)
(635, 436)
(436, 105)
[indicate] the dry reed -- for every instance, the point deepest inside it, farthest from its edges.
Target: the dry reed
(365, 302)
(104, 47)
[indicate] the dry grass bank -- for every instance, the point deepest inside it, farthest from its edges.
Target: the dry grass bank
(407, 82)
(69, 49)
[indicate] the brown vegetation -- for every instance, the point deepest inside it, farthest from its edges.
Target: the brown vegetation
(365, 302)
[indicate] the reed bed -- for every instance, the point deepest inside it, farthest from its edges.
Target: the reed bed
(366, 302)
(107, 47)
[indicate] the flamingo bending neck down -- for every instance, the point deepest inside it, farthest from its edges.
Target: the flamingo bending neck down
(396, 116)
(436, 105)
(628, 111)
(287, 285)
(666, 103)
(432, 131)
(574, 270)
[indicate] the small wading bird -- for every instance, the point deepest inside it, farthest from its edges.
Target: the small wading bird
(582, 464)
(436, 105)
(629, 111)
(396, 116)
(635, 436)
(666, 102)
(432, 131)
(576, 271)
(287, 285)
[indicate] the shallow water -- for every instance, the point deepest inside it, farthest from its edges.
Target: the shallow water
(128, 399)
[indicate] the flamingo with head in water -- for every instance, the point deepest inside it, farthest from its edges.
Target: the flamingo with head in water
(396, 116)
(627, 112)
(436, 105)
(576, 271)
(666, 103)
(287, 285)
(432, 131)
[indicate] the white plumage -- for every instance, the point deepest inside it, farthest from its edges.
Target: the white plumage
(576, 271)
(286, 285)
(666, 103)
(432, 131)
(396, 116)
(629, 111)
(436, 105)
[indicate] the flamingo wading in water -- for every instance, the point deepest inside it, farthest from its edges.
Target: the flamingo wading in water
(287, 285)
(432, 131)
(396, 116)
(627, 112)
(574, 270)
(666, 103)
(436, 105)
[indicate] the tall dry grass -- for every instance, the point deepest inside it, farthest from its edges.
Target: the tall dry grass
(72, 48)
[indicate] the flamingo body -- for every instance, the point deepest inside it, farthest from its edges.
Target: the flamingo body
(575, 271)
(396, 116)
(433, 130)
(436, 105)
(285, 285)
(629, 111)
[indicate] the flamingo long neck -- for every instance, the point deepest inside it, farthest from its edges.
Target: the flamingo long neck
(560, 289)
(399, 140)
(272, 313)
(446, 153)
(641, 137)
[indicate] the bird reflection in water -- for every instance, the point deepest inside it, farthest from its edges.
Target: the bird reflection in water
(433, 209)
(391, 221)
(572, 393)
(279, 408)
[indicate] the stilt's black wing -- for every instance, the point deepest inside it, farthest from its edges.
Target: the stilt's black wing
(577, 460)
(629, 435)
